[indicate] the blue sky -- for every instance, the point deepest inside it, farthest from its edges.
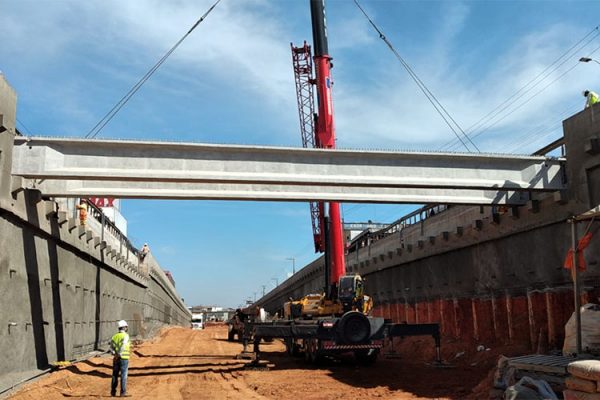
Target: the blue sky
(231, 82)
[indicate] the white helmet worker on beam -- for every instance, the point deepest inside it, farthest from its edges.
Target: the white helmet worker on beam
(591, 98)
(119, 347)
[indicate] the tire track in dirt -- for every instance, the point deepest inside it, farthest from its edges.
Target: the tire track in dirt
(186, 364)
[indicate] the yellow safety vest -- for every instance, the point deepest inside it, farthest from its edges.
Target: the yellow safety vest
(120, 344)
(593, 98)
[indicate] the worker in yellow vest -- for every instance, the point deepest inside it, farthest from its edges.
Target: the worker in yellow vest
(591, 98)
(83, 211)
(119, 347)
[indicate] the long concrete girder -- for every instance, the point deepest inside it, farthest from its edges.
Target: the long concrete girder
(77, 167)
(257, 192)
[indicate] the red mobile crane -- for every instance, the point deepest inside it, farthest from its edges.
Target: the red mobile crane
(318, 130)
(338, 321)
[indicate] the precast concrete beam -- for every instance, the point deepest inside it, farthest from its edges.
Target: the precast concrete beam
(264, 192)
(137, 161)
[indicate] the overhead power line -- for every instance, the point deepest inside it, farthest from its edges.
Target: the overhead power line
(441, 110)
(117, 107)
(480, 127)
(519, 106)
(540, 132)
(24, 126)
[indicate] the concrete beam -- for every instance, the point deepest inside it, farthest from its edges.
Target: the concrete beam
(131, 161)
(264, 192)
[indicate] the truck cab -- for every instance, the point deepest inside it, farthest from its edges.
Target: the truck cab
(197, 321)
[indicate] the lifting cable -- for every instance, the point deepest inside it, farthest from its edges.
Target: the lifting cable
(430, 96)
(117, 107)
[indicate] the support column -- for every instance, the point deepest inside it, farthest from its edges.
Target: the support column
(8, 114)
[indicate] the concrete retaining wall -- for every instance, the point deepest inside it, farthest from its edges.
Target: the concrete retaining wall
(486, 274)
(63, 291)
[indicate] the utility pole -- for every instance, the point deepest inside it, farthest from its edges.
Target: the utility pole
(263, 287)
(293, 260)
(255, 297)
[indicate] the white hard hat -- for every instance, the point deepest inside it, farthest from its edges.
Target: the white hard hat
(122, 324)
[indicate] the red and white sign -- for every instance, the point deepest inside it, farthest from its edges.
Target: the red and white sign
(102, 201)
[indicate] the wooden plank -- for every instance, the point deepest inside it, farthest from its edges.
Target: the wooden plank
(562, 363)
(543, 360)
(537, 367)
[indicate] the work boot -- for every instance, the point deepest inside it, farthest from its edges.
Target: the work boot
(125, 395)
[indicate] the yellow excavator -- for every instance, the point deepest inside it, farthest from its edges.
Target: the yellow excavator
(351, 297)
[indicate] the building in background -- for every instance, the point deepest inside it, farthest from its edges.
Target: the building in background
(353, 229)
(213, 313)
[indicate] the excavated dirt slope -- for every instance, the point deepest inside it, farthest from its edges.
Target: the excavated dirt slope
(185, 364)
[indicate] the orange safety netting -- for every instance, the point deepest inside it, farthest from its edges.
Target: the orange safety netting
(583, 243)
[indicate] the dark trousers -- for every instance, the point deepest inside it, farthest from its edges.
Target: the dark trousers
(121, 366)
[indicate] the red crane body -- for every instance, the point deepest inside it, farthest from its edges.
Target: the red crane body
(321, 133)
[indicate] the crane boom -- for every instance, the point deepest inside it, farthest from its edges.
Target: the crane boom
(318, 130)
(303, 74)
(325, 134)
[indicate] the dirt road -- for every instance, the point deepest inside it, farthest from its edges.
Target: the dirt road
(185, 364)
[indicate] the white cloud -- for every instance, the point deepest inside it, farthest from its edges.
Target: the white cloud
(239, 46)
(394, 113)
(245, 45)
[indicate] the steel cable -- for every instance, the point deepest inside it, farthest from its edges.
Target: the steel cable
(430, 96)
(117, 107)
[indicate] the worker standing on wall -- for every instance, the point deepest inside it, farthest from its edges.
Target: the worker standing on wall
(591, 98)
(83, 211)
(144, 251)
(119, 347)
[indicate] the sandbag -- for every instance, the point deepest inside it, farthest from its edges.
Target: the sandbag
(585, 369)
(577, 395)
(530, 389)
(504, 375)
(590, 331)
(582, 385)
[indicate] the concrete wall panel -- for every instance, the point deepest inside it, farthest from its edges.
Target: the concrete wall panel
(62, 297)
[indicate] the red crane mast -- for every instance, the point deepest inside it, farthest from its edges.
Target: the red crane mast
(320, 132)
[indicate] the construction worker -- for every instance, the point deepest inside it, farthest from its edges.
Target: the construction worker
(144, 251)
(119, 347)
(591, 98)
(83, 211)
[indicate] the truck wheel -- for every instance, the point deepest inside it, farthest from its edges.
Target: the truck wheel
(366, 357)
(295, 349)
(291, 347)
(354, 327)
(311, 352)
(307, 350)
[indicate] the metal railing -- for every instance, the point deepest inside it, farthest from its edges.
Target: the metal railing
(418, 216)
(109, 227)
